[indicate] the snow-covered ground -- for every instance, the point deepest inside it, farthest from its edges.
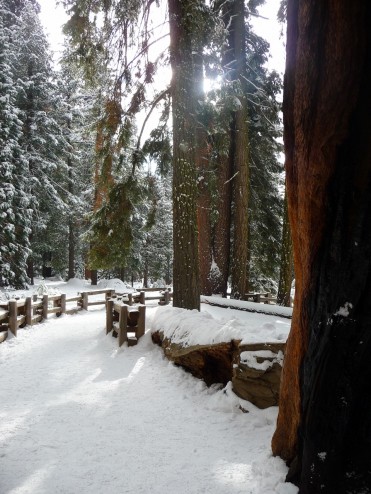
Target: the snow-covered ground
(78, 415)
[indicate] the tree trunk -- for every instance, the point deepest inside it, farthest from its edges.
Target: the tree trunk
(123, 274)
(71, 250)
(145, 274)
(185, 235)
(71, 223)
(286, 266)
(222, 227)
(234, 17)
(94, 277)
(30, 269)
(204, 197)
(324, 421)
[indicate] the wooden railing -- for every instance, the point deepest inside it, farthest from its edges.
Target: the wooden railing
(265, 298)
(141, 297)
(16, 314)
(127, 323)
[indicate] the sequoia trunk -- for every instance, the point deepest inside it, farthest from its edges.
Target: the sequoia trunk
(286, 266)
(324, 421)
(234, 18)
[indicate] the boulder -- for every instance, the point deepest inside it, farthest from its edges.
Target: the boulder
(257, 373)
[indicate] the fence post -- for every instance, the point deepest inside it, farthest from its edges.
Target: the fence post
(13, 312)
(63, 303)
(167, 297)
(109, 294)
(84, 300)
(123, 324)
(141, 321)
(142, 298)
(109, 316)
(257, 298)
(130, 297)
(45, 306)
(28, 311)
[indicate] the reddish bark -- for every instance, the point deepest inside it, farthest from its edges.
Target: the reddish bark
(222, 228)
(324, 423)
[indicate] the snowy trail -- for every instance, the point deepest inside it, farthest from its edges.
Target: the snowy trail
(79, 415)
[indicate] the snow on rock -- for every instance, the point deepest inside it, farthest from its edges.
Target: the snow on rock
(211, 326)
(261, 359)
(190, 327)
(257, 373)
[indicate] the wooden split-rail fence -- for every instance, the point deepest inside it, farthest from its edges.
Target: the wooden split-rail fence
(15, 314)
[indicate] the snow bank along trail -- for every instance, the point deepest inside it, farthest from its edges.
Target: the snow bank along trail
(78, 415)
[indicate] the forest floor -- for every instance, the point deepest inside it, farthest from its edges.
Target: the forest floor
(79, 415)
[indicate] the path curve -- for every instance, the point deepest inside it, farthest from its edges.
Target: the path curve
(78, 415)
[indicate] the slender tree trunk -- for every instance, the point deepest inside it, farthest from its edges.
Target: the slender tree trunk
(324, 423)
(185, 235)
(168, 271)
(94, 277)
(71, 223)
(204, 198)
(234, 17)
(286, 266)
(123, 274)
(145, 274)
(222, 228)
(30, 269)
(204, 226)
(71, 250)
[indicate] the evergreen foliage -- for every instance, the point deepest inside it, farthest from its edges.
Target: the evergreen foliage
(36, 191)
(74, 166)
(15, 201)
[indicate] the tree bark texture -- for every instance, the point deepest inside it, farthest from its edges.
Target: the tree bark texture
(324, 422)
(185, 235)
(222, 227)
(286, 267)
(71, 224)
(204, 198)
(234, 17)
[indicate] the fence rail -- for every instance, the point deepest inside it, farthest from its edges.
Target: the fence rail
(265, 298)
(16, 314)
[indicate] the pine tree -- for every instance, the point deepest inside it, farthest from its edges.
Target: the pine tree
(257, 89)
(15, 213)
(42, 136)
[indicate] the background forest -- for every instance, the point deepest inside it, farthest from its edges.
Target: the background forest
(109, 171)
